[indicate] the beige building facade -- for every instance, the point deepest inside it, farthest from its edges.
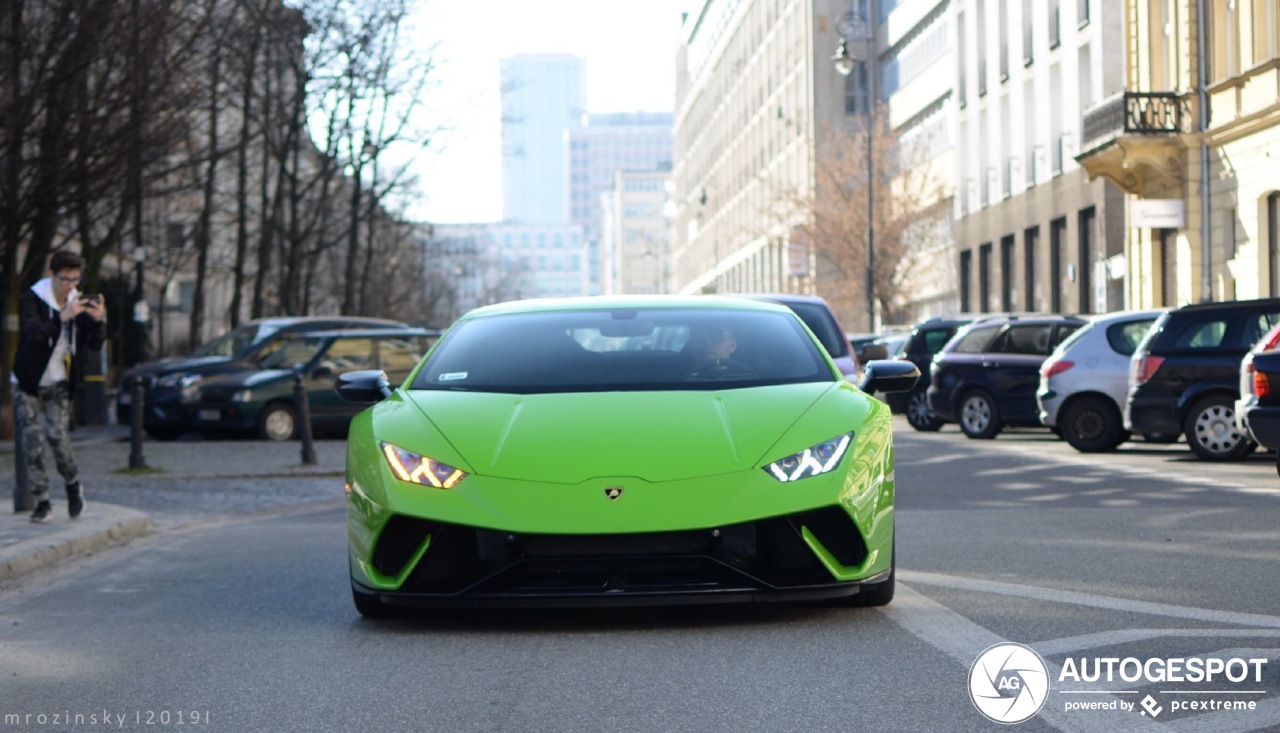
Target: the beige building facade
(1193, 142)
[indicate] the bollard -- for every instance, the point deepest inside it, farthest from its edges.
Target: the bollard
(135, 421)
(304, 421)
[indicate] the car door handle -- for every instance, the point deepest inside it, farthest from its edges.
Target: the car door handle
(990, 365)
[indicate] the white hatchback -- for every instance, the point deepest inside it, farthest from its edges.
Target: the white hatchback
(1084, 382)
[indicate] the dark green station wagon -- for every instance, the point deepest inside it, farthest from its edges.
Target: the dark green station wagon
(261, 400)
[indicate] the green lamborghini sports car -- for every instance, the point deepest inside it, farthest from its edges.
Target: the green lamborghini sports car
(622, 450)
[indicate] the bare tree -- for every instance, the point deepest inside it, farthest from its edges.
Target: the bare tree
(832, 217)
(95, 96)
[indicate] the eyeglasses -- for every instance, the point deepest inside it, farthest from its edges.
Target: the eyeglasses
(69, 280)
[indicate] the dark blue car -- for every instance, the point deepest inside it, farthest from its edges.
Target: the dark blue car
(986, 376)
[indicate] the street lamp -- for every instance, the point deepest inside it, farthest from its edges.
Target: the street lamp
(857, 26)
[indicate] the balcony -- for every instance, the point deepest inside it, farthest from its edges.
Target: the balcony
(1134, 140)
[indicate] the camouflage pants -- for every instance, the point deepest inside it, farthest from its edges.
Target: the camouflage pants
(44, 419)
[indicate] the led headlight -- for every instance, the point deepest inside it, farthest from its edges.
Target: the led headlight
(418, 469)
(814, 461)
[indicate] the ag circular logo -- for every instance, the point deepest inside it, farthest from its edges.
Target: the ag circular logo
(1008, 683)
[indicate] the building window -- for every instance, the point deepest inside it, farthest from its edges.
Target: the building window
(966, 268)
(856, 90)
(1266, 30)
(1055, 28)
(1057, 232)
(984, 278)
(1224, 27)
(1082, 12)
(1006, 272)
(1030, 241)
(1028, 36)
(1087, 220)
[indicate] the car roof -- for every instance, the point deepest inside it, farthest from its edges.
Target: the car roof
(606, 302)
(285, 321)
(365, 332)
(1226, 305)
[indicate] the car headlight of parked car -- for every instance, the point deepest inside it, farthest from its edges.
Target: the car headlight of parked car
(242, 395)
(418, 469)
(813, 461)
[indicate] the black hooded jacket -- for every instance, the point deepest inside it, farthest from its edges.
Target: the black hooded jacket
(38, 327)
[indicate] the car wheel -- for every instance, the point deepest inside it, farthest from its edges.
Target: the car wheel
(979, 418)
(1092, 425)
(278, 422)
(920, 415)
(1211, 430)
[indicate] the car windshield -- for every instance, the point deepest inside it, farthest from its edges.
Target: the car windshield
(624, 350)
(289, 353)
(237, 341)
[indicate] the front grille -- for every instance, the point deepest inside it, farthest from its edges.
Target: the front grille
(769, 554)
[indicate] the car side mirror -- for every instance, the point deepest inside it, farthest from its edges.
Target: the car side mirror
(364, 387)
(886, 375)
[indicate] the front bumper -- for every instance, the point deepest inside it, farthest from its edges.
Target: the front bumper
(441, 565)
(219, 416)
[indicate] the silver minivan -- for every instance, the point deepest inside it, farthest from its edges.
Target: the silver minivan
(1084, 382)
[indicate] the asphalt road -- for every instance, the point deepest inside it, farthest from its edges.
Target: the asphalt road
(246, 624)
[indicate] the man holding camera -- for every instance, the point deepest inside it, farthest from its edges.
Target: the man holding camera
(54, 319)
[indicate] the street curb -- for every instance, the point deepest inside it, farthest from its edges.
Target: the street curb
(74, 540)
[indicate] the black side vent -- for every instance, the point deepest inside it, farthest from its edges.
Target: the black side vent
(399, 540)
(836, 531)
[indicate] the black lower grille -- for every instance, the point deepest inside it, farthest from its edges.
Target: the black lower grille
(769, 554)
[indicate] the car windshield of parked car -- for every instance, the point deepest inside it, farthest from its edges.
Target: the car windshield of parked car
(975, 340)
(235, 342)
(1125, 337)
(624, 350)
(817, 318)
(289, 353)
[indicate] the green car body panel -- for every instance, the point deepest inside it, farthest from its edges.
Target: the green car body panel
(684, 460)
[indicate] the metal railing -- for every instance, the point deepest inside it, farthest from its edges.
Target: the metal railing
(1143, 113)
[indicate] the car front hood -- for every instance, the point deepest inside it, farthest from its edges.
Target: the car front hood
(654, 436)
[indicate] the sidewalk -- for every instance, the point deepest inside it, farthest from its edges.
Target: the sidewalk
(185, 480)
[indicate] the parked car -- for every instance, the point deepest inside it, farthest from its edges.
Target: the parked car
(605, 467)
(1185, 375)
(986, 377)
(261, 399)
(860, 341)
(165, 417)
(924, 341)
(1258, 409)
(1084, 382)
(818, 316)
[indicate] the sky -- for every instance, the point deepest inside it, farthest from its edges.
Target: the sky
(629, 47)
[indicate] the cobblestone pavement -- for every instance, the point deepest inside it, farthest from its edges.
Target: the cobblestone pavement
(185, 481)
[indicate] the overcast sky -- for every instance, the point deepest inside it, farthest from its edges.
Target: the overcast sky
(629, 47)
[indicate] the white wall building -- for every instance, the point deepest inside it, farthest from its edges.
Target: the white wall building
(1032, 232)
(635, 244)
